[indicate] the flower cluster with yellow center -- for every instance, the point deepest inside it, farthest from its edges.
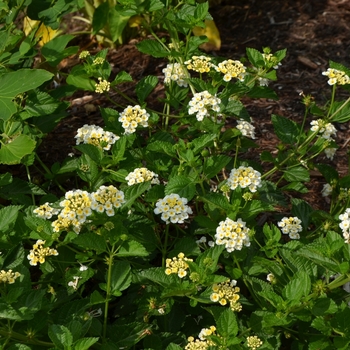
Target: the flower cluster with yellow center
(106, 198)
(177, 265)
(175, 72)
(231, 69)
(102, 86)
(201, 104)
(291, 226)
(254, 342)
(336, 76)
(270, 59)
(45, 211)
(141, 175)
(132, 117)
(95, 135)
(200, 64)
(226, 292)
(173, 209)
(8, 276)
(246, 128)
(202, 343)
(39, 253)
(76, 208)
(244, 177)
(232, 234)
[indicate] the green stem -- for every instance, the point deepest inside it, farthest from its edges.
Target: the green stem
(332, 101)
(165, 246)
(24, 339)
(108, 292)
(30, 181)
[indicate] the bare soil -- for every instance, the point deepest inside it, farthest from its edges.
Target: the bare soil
(313, 32)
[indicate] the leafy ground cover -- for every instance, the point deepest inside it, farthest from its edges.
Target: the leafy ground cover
(164, 197)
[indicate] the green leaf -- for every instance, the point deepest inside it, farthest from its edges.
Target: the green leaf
(153, 48)
(14, 151)
(255, 57)
(162, 147)
(41, 103)
(8, 217)
(213, 165)
(92, 241)
(216, 200)
(132, 248)
(117, 22)
(298, 173)
(201, 11)
(145, 86)
(322, 325)
(60, 336)
(226, 324)
(100, 17)
(94, 152)
(122, 77)
(324, 306)
(14, 83)
(153, 5)
(302, 210)
(286, 130)
(120, 277)
(80, 79)
(85, 343)
(237, 108)
(173, 346)
(298, 287)
(135, 191)
(262, 92)
(255, 207)
(201, 142)
(340, 113)
(55, 50)
(181, 185)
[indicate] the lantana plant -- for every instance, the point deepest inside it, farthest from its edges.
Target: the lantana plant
(170, 236)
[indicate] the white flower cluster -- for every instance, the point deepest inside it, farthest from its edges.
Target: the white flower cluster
(175, 72)
(95, 135)
(141, 175)
(106, 198)
(45, 211)
(78, 205)
(173, 209)
(232, 234)
(244, 177)
(253, 342)
(231, 69)
(345, 225)
(247, 129)
(291, 226)
(201, 104)
(226, 292)
(327, 130)
(132, 117)
(336, 76)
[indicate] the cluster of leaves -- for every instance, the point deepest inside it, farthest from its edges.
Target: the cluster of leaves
(108, 288)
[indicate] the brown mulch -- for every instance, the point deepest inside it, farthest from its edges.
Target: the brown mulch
(313, 32)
